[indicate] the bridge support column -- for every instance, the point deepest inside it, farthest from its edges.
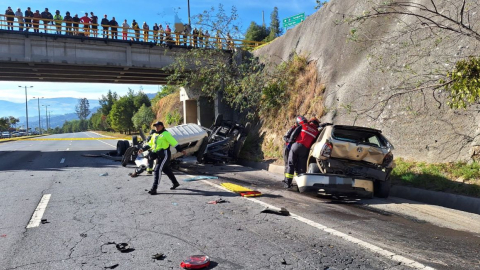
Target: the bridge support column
(190, 111)
(221, 107)
(205, 111)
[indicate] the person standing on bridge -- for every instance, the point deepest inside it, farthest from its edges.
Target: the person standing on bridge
(76, 24)
(86, 24)
(28, 19)
(94, 19)
(105, 25)
(160, 33)
(48, 18)
(155, 33)
(68, 24)
(136, 28)
(10, 16)
(36, 21)
(159, 145)
(58, 22)
(207, 38)
(19, 15)
(125, 28)
(114, 28)
(146, 29)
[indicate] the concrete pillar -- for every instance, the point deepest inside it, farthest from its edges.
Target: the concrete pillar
(190, 111)
(205, 112)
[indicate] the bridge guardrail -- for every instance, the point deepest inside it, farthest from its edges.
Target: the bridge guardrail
(64, 28)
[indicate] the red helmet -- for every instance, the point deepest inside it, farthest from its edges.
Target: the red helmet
(300, 120)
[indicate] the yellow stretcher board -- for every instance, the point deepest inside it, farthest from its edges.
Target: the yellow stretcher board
(245, 192)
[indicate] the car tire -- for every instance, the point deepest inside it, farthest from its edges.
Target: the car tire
(237, 148)
(313, 168)
(201, 151)
(127, 156)
(381, 189)
(122, 147)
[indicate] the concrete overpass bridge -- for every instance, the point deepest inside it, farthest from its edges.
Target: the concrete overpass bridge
(38, 57)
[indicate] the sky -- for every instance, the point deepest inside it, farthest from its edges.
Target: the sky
(141, 10)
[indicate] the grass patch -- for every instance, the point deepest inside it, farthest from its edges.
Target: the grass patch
(459, 178)
(115, 135)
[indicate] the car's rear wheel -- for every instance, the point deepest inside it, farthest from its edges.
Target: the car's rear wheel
(122, 147)
(127, 157)
(381, 189)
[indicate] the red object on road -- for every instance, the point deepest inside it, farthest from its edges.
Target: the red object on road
(251, 193)
(196, 262)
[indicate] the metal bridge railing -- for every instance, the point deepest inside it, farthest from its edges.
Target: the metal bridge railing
(61, 27)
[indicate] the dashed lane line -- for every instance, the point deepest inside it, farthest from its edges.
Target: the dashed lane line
(38, 214)
(375, 249)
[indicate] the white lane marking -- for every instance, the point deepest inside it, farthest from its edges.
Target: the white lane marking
(38, 214)
(375, 249)
(63, 160)
(100, 140)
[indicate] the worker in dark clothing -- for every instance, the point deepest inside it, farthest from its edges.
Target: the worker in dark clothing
(159, 145)
(113, 28)
(105, 25)
(289, 141)
(306, 135)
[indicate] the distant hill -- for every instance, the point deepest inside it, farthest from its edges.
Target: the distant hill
(58, 106)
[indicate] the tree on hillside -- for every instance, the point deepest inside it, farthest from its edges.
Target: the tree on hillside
(122, 113)
(106, 102)
(275, 30)
(166, 90)
(256, 32)
(82, 109)
(320, 4)
(421, 29)
(141, 99)
(143, 118)
(4, 123)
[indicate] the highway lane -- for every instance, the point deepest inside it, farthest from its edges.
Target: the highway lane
(86, 211)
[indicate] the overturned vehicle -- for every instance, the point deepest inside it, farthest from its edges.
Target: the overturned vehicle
(220, 143)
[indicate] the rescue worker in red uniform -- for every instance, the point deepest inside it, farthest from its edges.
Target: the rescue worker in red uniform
(305, 135)
(288, 142)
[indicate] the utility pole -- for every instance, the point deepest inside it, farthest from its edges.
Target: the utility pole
(263, 18)
(26, 103)
(50, 117)
(39, 122)
(189, 22)
(46, 114)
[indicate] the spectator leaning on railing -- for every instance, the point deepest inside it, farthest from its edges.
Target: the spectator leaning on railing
(161, 33)
(36, 21)
(113, 28)
(105, 25)
(136, 28)
(28, 19)
(145, 31)
(19, 15)
(10, 16)
(68, 24)
(47, 16)
(58, 22)
(76, 24)
(125, 28)
(86, 24)
(94, 24)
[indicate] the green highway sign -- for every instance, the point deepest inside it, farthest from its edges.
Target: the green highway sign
(294, 20)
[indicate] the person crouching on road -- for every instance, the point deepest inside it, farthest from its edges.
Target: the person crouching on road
(159, 145)
(306, 135)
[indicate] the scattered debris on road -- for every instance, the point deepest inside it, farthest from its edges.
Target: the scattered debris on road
(103, 174)
(282, 212)
(83, 235)
(91, 155)
(217, 201)
(3, 235)
(124, 247)
(174, 203)
(243, 191)
(44, 221)
(196, 262)
(111, 267)
(196, 178)
(158, 256)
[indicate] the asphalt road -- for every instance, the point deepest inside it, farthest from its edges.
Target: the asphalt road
(93, 203)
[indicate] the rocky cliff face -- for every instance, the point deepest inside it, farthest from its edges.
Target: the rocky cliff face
(364, 80)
